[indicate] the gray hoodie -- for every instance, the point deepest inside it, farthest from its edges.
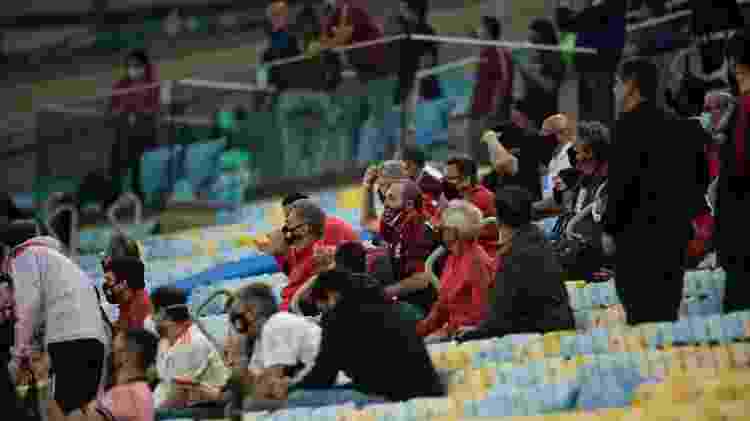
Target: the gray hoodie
(51, 291)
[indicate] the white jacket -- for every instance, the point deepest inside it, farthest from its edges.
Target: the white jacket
(52, 291)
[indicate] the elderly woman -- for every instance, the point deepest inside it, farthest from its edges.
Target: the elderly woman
(529, 293)
(466, 277)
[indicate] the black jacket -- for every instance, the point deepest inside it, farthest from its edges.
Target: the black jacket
(529, 294)
(377, 349)
(652, 178)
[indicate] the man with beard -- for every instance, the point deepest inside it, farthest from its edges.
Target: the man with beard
(124, 286)
(378, 179)
(462, 182)
(429, 180)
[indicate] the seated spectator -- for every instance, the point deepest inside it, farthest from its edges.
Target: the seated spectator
(133, 353)
(429, 179)
(379, 179)
(304, 233)
(284, 345)
(462, 182)
(185, 356)
(53, 292)
(466, 277)
(336, 232)
(351, 256)
(581, 221)
(282, 44)
(125, 286)
(529, 294)
(409, 241)
(381, 352)
(560, 130)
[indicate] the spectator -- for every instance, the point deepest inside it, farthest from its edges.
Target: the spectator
(53, 292)
(529, 294)
(600, 26)
(504, 163)
(351, 24)
(284, 345)
(133, 353)
(650, 199)
(137, 102)
(186, 358)
(493, 91)
(375, 350)
(733, 202)
(581, 220)
(125, 286)
(122, 246)
(542, 74)
(409, 241)
(282, 44)
(461, 176)
(379, 179)
(337, 231)
(430, 180)
(351, 256)
(466, 278)
(303, 231)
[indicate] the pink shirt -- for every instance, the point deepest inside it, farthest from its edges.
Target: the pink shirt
(128, 402)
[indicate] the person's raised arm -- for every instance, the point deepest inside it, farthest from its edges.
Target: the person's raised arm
(369, 219)
(28, 292)
(502, 160)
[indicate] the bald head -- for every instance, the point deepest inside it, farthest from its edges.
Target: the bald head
(560, 126)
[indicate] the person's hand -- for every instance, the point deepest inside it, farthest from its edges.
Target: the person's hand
(233, 351)
(274, 244)
(371, 175)
(271, 387)
(608, 245)
(203, 392)
(324, 257)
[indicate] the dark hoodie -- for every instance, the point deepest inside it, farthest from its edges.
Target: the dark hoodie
(368, 340)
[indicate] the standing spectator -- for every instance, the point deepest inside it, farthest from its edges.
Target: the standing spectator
(136, 101)
(461, 176)
(185, 355)
(380, 352)
(542, 73)
(733, 202)
(282, 44)
(529, 293)
(601, 26)
(466, 278)
(493, 90)
(351, 24)
(52, 292)
(133, 353)
(651, 196)
(125, 286)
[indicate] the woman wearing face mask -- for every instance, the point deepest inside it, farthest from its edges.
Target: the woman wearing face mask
(466, 277)
(136, 102)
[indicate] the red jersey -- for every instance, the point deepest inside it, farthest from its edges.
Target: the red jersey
(301, 268)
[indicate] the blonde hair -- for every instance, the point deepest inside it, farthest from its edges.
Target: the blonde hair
(464, 217)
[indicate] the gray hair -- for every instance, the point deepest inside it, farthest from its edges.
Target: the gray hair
(311, 214)
(596, 136)
(463, 216)
(260, 296)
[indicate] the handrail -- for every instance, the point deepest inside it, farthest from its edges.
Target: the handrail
(127, 198)
(440, 251)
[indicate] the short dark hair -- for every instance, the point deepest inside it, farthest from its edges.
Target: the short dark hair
(645, 74)
(493, 26)
(311, 214)
(259, 295)
(352, 256)
(130, 269)
(142, 343)
(174, 300)
(18, 232)
(414, 154)
(466, 166)
(293, 197)
(122, 246)
(546, 30)
(141, 56)
(514, 206)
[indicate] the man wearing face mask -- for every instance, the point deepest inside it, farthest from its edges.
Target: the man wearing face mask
(189, 366)
(466, 278)
(133, 353)
(124, 286)
(651, 199)
(378, 179)
(462, 182)
(303, 231)
(136, 102)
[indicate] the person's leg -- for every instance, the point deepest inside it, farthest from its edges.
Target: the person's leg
(78, 367)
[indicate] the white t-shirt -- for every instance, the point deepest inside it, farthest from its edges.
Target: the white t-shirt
(287, 340)
(559, 162)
